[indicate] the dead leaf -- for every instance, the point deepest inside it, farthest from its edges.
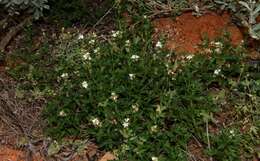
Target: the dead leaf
(108, 156)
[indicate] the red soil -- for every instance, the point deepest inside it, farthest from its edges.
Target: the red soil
(186, 32)
(8, 154)
(11, 154)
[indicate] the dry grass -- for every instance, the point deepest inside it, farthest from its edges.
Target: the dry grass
(19, 117)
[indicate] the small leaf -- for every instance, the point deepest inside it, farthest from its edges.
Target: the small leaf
(46, 7)
(256, 11)
(245, 5)
(54, 148)
(19, 93)
(256, 27)
(253, 34)
(22, 141)
(221, 2)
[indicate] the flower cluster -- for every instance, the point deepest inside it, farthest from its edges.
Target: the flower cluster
(159, 45)
(217, 71)
(131, 76)
(64, 75)
(84, 84)
(87, 56)
(218, 46)
(96, 122)
(92, 42)
(62, 113)
(126, 122)
(116, 34)
(135, 107)
(81, 36)
(135, 57)
(114, 96)
(155, 159)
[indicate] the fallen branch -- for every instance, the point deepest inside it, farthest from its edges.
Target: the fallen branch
(13, 32)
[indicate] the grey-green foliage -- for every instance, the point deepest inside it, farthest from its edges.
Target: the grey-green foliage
(227, 5)
(35, 7)
(247, 11)
(253, 10)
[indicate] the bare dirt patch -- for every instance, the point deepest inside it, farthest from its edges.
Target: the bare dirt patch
(11, 154)
(186, 32)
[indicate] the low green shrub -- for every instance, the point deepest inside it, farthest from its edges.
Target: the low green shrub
(128, 95)
(225, 145)
(141, 102)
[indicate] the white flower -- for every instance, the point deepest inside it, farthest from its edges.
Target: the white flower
(76, 72)
(217, 71)
(232, 132)
(208, 51)
(196, 8)
(96, 122)
(159, 44)
(158, 109)
(86, 56)
(84, 84)
(62, 113)
(114, 96)
(97, 50)
(145, 17)
(64, 75)
(116, 33)
(127, 43)
(80, 37)
(155, 159)
(217, 50)
(94, 34)
(171, 71)
(135, 57)
(154, 128)
(189, 57)
(126, 122)
(135, 107)
(131, 76)
(92, 41)
(217, 44)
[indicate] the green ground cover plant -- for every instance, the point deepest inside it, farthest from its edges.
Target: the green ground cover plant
(142, 102)
(133, 98)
